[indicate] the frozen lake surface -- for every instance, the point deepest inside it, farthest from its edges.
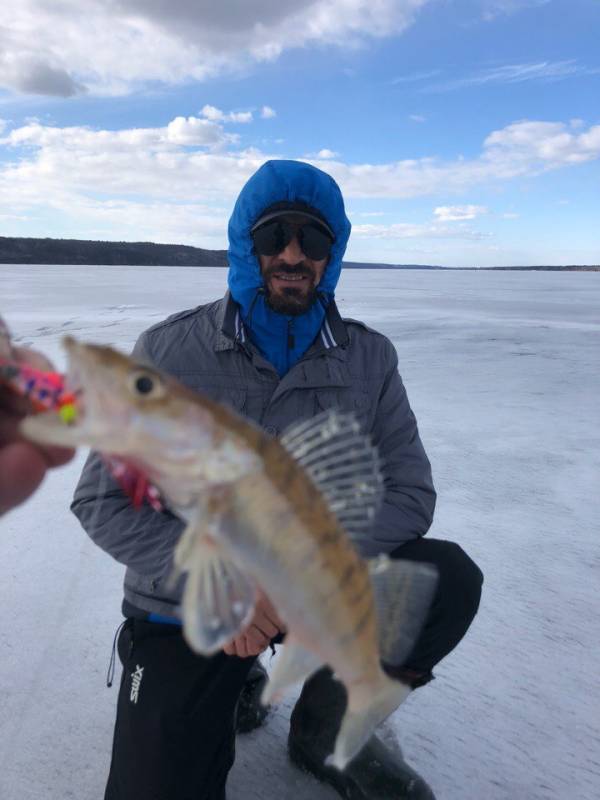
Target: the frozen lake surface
(502, 373)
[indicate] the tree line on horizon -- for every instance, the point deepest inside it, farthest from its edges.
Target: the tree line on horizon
(24, 250)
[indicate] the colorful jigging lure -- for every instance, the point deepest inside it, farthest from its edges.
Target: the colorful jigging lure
(46, 391)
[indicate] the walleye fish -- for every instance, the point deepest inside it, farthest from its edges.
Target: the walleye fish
(261, 512)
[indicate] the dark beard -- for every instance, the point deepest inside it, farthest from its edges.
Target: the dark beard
(292, 302)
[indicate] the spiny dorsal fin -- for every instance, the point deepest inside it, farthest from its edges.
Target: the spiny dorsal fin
(343, 464)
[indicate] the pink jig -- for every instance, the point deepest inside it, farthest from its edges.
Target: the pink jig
(46, 392)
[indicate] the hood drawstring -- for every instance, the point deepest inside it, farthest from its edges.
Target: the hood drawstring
(259, 291)
(236, 339)
(111, 664)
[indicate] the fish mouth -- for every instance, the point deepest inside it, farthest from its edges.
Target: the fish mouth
(80, 423)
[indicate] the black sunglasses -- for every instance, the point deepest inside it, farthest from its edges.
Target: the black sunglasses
(274, 237)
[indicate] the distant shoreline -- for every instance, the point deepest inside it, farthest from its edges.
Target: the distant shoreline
(82, 252)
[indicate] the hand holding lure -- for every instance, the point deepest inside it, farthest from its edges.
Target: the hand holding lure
(29, 376)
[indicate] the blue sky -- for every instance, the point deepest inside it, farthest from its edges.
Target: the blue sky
(462, 132)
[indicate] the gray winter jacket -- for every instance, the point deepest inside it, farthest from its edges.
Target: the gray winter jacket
(349, 366)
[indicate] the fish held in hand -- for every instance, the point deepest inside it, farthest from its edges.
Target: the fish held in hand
(283, 514)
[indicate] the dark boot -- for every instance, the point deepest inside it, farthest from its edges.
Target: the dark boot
(376, 773)
(250, 713)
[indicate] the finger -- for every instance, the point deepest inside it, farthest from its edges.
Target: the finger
(56, 456)
(13, 403)
(255, 651)
(24, 355)
(241, 648)
(22, 468)
(254, 646)
(256, 638)
(266, 627)
(272, 616)
(9, 428)
(53, 455)
(229, 649)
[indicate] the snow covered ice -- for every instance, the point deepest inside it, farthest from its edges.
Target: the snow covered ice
(502, 373)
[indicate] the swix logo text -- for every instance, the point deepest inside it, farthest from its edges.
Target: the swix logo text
(136, 680)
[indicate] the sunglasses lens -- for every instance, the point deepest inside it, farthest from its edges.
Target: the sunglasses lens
(272, 238)
(315, 243)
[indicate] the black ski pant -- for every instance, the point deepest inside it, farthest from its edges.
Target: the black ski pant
(174, 733)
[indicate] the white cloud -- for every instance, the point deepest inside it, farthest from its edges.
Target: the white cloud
(414, 77)
(170, 223)
(326, 154)
(458, 213)
(524, 148)
(547, 71)
(195, 131)
(417, 118)
(322, 155)
(541, 145)
(404, 230)
(267, 112)
(216, 115)
(86, 173)
(26, 72)
(116, 46)
(509, 215)
(494, 8)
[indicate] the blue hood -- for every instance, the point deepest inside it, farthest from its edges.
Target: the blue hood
(276, 181)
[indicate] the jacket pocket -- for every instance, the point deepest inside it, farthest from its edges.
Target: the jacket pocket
(351, 400)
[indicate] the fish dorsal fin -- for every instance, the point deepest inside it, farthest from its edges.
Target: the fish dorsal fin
(403, 591)
(343, 464)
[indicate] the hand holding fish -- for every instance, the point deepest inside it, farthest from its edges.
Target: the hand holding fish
(23, 464)
(264, 626)
(30, 385)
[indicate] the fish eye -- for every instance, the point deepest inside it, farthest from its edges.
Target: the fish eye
(146, 384)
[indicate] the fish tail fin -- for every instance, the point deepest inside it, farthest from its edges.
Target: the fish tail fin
(366, 710)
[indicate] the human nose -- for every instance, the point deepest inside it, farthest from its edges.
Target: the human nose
(292, 253)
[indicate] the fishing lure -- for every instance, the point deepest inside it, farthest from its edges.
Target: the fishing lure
(46, 390)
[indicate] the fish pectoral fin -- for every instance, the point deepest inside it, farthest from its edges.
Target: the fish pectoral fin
(183, 556)
(403, 592)
(203, 521)
(218, 598)
(295, 663)
(366, 710)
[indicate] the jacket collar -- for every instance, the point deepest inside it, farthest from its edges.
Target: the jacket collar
(228, 325)
(230, 328)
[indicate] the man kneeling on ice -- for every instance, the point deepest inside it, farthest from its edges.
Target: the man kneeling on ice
(276, 349)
